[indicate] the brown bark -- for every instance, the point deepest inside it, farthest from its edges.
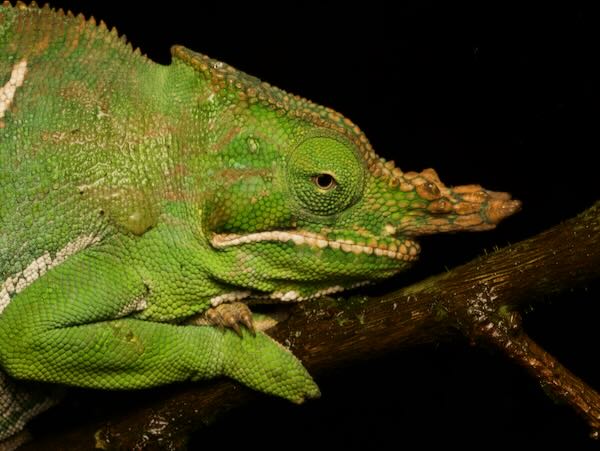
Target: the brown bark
(479, 299)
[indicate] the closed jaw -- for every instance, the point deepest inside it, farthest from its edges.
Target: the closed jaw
(405, 250)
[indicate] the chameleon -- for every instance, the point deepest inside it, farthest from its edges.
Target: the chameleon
(142, 206)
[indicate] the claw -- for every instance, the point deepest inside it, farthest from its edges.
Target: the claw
(236, 328)
(246, 320)
(231, 315)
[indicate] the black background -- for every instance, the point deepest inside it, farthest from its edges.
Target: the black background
(500, 95)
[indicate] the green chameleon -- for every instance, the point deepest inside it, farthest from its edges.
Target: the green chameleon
(141, 204)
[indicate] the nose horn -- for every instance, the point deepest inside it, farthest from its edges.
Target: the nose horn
(461, 208)
(472, 203)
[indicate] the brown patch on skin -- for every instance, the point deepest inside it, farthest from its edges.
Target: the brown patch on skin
(176, 195)
(203, 96)
(360, 230)
(476, 196)
(440, 206)
(72, 41)
(418, 205)
(397, 172)
(393, 182)
(78, 92)
(54, 137)
(466, 208)
(180, 170)
(467, 221)
(463, 189)
(224, 140)
(126, 335)
(438, 222)
(42, 45)
(432, 175)
(233, 175)
(428, 190)
(499, 209)
(405, 187)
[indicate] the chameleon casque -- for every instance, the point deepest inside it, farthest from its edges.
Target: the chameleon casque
(135, 197)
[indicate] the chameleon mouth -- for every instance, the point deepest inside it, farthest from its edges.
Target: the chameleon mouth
(405, 250)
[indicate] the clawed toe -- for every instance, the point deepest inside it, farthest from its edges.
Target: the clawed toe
(231, 316)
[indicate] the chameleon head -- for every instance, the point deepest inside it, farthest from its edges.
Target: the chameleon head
(303, 206)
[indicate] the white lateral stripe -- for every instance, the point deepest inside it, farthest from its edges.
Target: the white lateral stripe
(229, 297)
(18, 282)
(294, 296)
(7, 92)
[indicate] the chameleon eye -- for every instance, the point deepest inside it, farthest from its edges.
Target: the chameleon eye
(325, 181)
(324, 175)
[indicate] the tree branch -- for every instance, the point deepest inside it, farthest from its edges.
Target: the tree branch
(477, 299)
(507, 334)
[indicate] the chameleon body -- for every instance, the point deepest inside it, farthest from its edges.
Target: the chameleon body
(135, 196)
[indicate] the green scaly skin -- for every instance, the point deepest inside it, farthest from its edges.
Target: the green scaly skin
(133, 196)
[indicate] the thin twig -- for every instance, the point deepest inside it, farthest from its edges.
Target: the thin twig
(559, 382)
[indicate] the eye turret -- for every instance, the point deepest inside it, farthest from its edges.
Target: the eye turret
(325, 175)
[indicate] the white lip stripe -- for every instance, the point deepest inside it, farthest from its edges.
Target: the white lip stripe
(7, 92)
(408, 251)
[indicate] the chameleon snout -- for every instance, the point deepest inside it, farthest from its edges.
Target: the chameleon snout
(435, 208)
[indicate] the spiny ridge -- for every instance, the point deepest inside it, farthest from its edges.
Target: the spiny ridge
(252, 90)
(91, 24)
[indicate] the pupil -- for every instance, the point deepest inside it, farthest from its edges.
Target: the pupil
(324, 181)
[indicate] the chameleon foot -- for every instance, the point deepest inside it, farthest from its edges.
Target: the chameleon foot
(231, 315)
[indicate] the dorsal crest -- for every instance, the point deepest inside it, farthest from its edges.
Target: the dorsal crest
(222, 76)
(47, 23)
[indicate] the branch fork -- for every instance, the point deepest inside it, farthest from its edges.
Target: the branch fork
(502, 329)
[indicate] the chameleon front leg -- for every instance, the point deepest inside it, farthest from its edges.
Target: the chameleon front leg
(68, 327)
